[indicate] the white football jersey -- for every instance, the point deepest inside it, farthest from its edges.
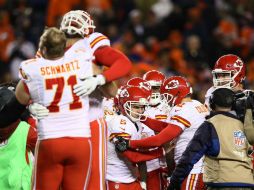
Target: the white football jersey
(50, 83)
(95, 108)
(161, 113)
(119, 168)
(98, 40)
(155, 163)
(95, 40)
(189, 116)
(108, 108)
(208, 95)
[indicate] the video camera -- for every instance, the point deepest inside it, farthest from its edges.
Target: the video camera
(244, 100)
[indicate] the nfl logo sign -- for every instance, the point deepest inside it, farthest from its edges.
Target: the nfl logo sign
(239, 138)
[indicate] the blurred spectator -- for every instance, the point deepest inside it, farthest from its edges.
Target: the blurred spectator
(250, 74)
(2, 3)
(162, 8)
(175, 39)
(153, 26)
(136, 25)
(17, 51)
(112, 32)
(6, 34)
(246, 41)
(100, 5)
(194, 53)
(179, 64)
(57, 9)
(5, 75)
(176, 36)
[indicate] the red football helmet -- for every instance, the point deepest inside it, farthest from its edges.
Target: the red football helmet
(174, 89)
(155, 79)
(229, 71)
(141, 83)
(77, 22)
(131, 98)
(116, 98)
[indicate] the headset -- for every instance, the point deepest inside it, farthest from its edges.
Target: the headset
(223, 97)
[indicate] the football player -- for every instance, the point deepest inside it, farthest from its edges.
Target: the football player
(157, 109)
(184, 119)
(229, 72)
(121, 173)
(79, 29)
(155, 79)
(62, 135)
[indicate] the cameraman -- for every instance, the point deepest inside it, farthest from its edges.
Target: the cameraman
(244, 107)
(17, 141)
(222, 141)
(249, 126)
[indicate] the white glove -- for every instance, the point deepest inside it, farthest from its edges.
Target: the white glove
(143, 185)
(38, 111)
(87, 85)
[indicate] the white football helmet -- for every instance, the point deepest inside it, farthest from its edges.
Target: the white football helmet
(77, 22)
(155, 79)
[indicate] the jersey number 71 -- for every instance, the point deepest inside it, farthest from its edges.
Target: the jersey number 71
(60, 82)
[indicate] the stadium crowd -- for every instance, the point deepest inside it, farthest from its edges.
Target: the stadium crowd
(175, 37)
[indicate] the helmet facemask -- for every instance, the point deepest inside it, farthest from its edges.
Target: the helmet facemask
(77, 22)
(131, 109)
(169, 99)
(223, 78)
(156, 96)
(229, 71)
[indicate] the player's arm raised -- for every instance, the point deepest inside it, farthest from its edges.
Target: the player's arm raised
(119, 65)
(109, 89)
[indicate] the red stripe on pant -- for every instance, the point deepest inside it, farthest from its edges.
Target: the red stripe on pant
(193, 182)
(63, 162)
(99, 145)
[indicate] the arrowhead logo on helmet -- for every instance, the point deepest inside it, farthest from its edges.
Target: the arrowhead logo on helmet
(229, 71)
(172, 84)
(132, 102)
(174, 89)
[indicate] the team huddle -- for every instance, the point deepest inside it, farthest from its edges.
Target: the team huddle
(138, 132)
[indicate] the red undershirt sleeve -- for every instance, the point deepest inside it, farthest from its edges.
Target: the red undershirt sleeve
(136, 157)
(31, 138)
(119, 65)
(32, 122)
(155, 125)
(166, 135)
(26, 88)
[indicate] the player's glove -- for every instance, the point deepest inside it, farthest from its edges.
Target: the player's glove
(121, 144)
(174, 185)
(87, 85)
(38, 111)
(143, 185)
